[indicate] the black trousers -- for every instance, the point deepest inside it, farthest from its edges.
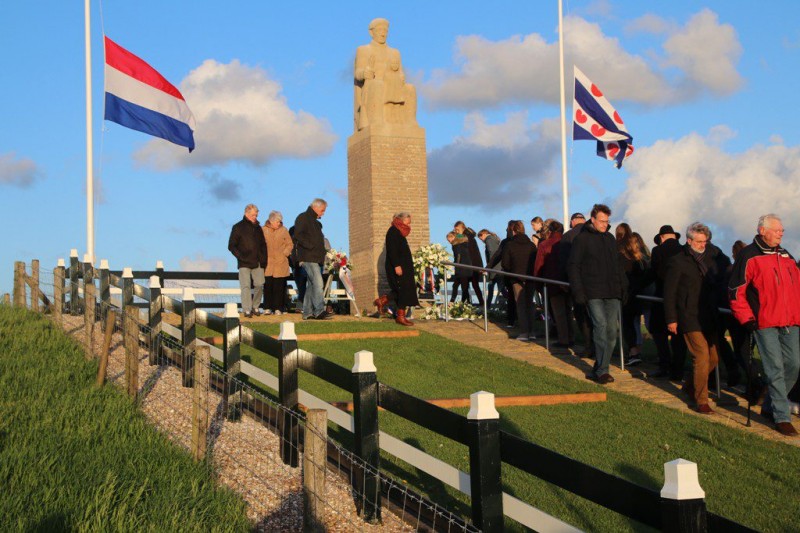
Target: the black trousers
(476, 279)
(671, 348)
(463, 283)
(274, 293)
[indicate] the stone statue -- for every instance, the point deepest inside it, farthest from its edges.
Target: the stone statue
(382, 95)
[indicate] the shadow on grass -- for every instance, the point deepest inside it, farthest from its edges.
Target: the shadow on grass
(52, 522)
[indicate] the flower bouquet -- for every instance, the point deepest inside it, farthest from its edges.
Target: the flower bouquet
(335, 260)
(463, 311)
(428, 267)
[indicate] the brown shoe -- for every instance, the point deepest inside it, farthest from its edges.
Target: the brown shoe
(401, 318)
(704, 409)
(786, 429)
(605, 378)
(380, 303)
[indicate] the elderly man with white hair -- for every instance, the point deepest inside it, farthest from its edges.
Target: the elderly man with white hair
(311, 255)
(764, 292)
(248, 246)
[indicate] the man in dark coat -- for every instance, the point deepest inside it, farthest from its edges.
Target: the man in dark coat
(671, 349)
(519, 257)
(576, 222)
(248, 246)
(597, 280)
(690, 308)
(310, 256)
(474, 257)
(399, 266)
(511, 305)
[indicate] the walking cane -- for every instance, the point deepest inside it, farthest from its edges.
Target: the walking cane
(750, 372)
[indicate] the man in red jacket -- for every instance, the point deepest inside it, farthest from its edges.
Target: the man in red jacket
(765, 298)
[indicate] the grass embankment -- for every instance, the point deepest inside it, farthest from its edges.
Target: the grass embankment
(76, 458)
(746, 478)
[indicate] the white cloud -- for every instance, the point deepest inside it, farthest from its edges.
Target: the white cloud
(706, 52)
(699, 56)
(198, 263)
(18, 172)
(504, 164)
(242, 116)
(692, 178)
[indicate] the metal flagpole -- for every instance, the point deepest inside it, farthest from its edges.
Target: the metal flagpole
(564, 191)
(89, 156)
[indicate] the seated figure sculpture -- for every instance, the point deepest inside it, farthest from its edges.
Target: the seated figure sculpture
(381, 94)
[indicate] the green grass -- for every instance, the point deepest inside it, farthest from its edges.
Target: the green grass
(746, 478)
(73, 457)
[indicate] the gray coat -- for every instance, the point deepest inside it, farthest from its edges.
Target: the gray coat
(492, 244)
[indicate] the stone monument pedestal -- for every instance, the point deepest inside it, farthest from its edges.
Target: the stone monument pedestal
(387, 172)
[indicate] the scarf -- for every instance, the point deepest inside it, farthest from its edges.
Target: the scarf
(698, 257)
(404, 229)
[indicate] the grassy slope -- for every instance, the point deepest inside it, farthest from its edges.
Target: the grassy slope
(746, 478)
(73, 457)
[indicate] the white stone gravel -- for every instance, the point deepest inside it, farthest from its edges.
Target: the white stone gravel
(245, 454)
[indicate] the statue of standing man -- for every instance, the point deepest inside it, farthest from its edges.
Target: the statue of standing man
(382, 95)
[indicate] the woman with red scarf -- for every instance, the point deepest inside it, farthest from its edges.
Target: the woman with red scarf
(399, 269)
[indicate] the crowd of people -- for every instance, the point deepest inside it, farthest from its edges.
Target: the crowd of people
(691, 297)
(698, 298)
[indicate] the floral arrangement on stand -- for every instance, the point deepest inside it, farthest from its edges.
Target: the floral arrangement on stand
(462, 311)
(429, 269)
(335, 260)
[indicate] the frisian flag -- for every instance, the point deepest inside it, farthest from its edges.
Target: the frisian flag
(596, 119)
(140, 98)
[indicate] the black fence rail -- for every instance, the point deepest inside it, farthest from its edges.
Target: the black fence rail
(679, 506)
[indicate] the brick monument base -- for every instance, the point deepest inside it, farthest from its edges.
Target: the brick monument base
(387, 172)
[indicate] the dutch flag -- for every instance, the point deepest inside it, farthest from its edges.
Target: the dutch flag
(596, 119)
(140, 98)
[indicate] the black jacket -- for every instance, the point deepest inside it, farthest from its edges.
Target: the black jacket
(461, 255)
(248, 245)
(689, 294)
(659, 258)
(594, 268)
(398, 253)
(308, 237)
(474, 251)
(566, 245)
(519, 256)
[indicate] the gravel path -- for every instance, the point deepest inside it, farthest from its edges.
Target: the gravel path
(245, 454)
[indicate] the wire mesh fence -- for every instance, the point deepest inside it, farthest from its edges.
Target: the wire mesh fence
(232, 427)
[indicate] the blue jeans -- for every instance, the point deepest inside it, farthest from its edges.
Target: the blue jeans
(313, 302)
(605, 319)
(250, 298)
(780, 357)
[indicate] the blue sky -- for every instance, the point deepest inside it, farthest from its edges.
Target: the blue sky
(706, 89)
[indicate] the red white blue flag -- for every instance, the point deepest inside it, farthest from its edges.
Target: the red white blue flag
(596, 119)
(140, 98)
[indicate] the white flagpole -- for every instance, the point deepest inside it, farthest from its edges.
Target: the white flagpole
(564, 190)
(89, 157)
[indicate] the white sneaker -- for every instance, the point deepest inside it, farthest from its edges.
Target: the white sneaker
(278, 312)
(523, 338)
(794, 408)
(267, 311)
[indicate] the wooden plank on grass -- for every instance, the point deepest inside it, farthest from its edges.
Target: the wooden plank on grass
(358, 335)
(510, 401)
(339, 336)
